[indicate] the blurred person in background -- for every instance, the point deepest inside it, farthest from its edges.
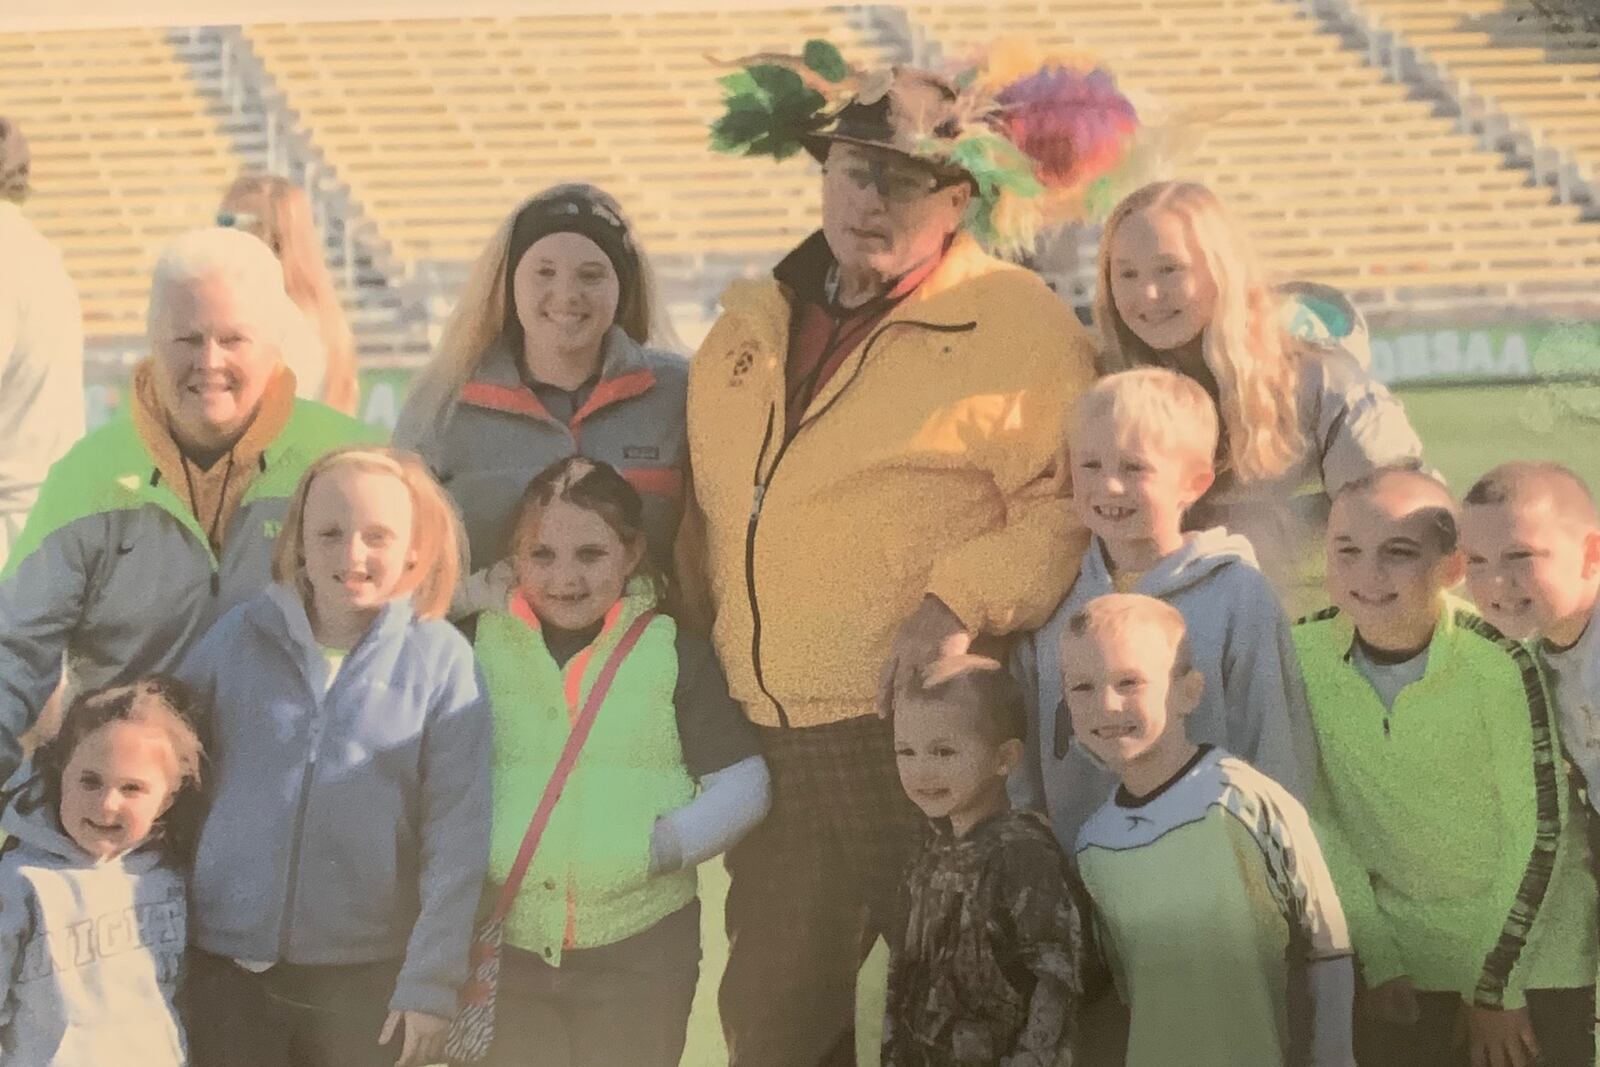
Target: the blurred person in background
(321, 351)
(41, 347)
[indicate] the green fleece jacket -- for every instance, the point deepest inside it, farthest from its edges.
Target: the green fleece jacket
(1445, 819)
(589, 883)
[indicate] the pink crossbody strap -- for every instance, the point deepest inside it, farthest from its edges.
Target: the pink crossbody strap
(568, 760)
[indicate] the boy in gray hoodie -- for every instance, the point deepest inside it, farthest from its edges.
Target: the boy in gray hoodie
(1142, 449)
(92, 911)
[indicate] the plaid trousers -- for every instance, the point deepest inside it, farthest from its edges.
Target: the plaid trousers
(811, 889)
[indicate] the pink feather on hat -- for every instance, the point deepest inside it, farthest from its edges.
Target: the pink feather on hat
(1075, 124)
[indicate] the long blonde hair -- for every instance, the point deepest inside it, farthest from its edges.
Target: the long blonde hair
(480, 317)
(1243, 344)
(436, 536)
(281, 216)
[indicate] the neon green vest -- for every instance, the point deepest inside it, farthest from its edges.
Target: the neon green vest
(593, 860)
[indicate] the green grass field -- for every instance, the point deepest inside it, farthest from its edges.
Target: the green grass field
(1465, 430)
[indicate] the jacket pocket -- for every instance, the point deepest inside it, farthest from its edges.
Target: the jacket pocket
(613, 852)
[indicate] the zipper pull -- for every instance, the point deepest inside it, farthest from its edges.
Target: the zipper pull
(1386, 726)
(755, 501)
(216, 583)
(314, 733)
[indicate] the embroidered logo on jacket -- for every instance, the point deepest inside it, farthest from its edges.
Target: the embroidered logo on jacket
(742, 364)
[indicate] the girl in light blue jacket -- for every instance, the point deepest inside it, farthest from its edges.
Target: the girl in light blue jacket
(338, 870)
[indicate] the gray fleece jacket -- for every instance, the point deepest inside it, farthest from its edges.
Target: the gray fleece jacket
(1253, 705)
(90, 952)
(489, 444)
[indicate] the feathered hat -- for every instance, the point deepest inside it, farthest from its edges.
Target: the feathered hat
(1044, 140)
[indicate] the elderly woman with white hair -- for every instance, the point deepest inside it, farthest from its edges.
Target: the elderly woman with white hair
(155, 524)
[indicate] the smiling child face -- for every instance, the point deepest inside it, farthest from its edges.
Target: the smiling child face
(949, 765)
(118, 782)
(1127, 707)
(1388, 561)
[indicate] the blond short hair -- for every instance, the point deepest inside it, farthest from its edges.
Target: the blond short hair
(1426, 483)
(435, 528)
(1116, 613)
(1160, 407)
(1521, 483)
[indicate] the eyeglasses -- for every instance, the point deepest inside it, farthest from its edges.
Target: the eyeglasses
(897, 185)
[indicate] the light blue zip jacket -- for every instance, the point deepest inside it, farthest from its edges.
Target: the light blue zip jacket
(351, 825)
(90, 952)
(1253, 704)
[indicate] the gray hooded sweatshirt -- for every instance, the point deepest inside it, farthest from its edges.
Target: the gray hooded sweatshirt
(90, 951)
(1253, 704)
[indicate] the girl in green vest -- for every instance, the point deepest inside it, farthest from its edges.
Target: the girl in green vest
(602, 942)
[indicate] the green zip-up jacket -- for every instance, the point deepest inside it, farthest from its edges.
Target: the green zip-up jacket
(1446, 819)
(113, 570)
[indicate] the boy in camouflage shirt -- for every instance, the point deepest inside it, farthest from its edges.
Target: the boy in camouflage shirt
(987, 966)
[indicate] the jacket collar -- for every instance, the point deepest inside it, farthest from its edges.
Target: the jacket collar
(283, 615)
(945, 301)
(804, 271)
(498, 386)
(1454, 614)
(153, 424)
(637, 598)
(942, 299)
(154, 457)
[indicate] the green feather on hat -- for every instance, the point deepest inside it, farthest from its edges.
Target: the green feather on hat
(1040, 140)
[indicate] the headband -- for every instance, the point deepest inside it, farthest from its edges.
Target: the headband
(571, 213)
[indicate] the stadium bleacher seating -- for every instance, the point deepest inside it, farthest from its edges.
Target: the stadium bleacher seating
(441, 127)
(1500, 60)
(437, 128)
(125, 155)
(1341, 175)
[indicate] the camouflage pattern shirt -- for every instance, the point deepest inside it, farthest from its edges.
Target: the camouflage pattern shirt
(988, 968)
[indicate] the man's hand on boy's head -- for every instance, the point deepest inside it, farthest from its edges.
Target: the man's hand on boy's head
(1499, 1038)
(928, 633)
(1393, 1001)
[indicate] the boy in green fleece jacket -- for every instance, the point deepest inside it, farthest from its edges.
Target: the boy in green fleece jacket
(1441, 802)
